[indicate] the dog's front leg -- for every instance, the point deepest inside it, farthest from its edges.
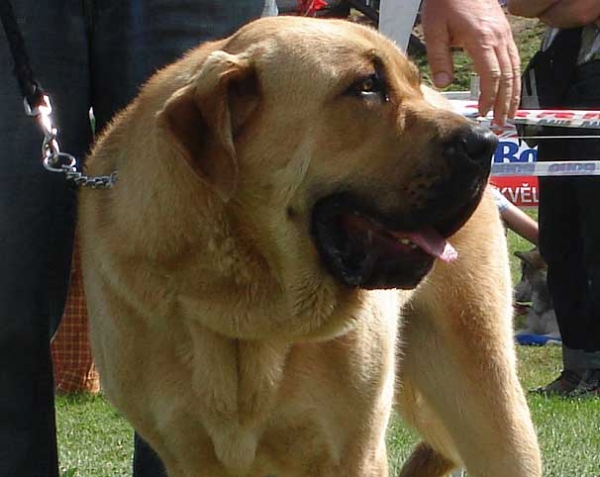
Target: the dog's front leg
(458, 379)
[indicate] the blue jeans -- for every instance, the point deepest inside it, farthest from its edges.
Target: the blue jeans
(85, 53)
(570, 230)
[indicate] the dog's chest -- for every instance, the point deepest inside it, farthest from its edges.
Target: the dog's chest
(237, 395)
(257, 415)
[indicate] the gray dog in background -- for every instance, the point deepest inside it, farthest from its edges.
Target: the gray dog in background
(533, 290)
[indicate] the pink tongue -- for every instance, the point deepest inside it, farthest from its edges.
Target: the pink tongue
(433, 243)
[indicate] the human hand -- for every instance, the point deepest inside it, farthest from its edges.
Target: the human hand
(481, 28)
(571, 13)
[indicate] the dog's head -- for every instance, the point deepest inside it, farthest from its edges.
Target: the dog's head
(533, 275)
(318, 139)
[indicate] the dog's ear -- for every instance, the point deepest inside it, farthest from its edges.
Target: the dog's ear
(533, 258)
(203, 117)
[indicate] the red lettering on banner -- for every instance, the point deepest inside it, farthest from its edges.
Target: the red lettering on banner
(595, 115)
(522, 114)
(556, 114)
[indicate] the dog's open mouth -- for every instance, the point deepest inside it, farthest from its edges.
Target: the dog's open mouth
(362, 249)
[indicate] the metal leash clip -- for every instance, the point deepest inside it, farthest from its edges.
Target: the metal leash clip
(56, 161)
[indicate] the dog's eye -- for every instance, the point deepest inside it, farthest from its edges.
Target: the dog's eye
(373, 86)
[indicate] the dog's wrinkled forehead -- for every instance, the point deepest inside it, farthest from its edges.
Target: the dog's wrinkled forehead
(298, 53)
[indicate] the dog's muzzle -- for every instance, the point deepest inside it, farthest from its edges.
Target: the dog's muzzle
(365, 247)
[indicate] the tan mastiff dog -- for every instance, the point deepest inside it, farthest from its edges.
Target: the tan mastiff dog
(282, 194)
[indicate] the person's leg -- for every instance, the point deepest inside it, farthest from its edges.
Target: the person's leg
(570, 237)
(589, 198)
(145, 461)
(561, 248)
(585, 94)
(36, 228)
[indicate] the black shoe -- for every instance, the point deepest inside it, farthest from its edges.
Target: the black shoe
(589, 386)
(564, 385)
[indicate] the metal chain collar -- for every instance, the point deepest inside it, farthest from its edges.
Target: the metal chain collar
(56, 161)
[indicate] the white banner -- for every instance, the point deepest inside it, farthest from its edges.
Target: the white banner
(550, 168)
(564, 118)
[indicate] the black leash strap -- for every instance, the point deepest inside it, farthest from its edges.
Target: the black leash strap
(37, 104)
(30, 88)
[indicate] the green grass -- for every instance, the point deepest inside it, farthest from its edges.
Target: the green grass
(568, 429)
(94, 440)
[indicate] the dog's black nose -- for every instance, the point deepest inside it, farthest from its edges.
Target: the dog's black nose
(475, 143)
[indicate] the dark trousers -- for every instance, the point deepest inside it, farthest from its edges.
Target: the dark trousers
(569, 219)
(85, 53)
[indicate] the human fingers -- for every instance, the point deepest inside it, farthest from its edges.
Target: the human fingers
(487, 66)
(496, 59)
(508, 95)
(439, 56)
(504, 94)
(515, 59)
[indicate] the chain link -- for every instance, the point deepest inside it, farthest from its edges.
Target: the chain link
(56, 161)
(95, 182)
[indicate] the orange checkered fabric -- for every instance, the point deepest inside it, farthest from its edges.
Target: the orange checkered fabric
(74, 369)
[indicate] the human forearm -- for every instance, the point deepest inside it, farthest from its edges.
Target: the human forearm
(571, 13)
(558, 13)
(520, 223)
(530, 8)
